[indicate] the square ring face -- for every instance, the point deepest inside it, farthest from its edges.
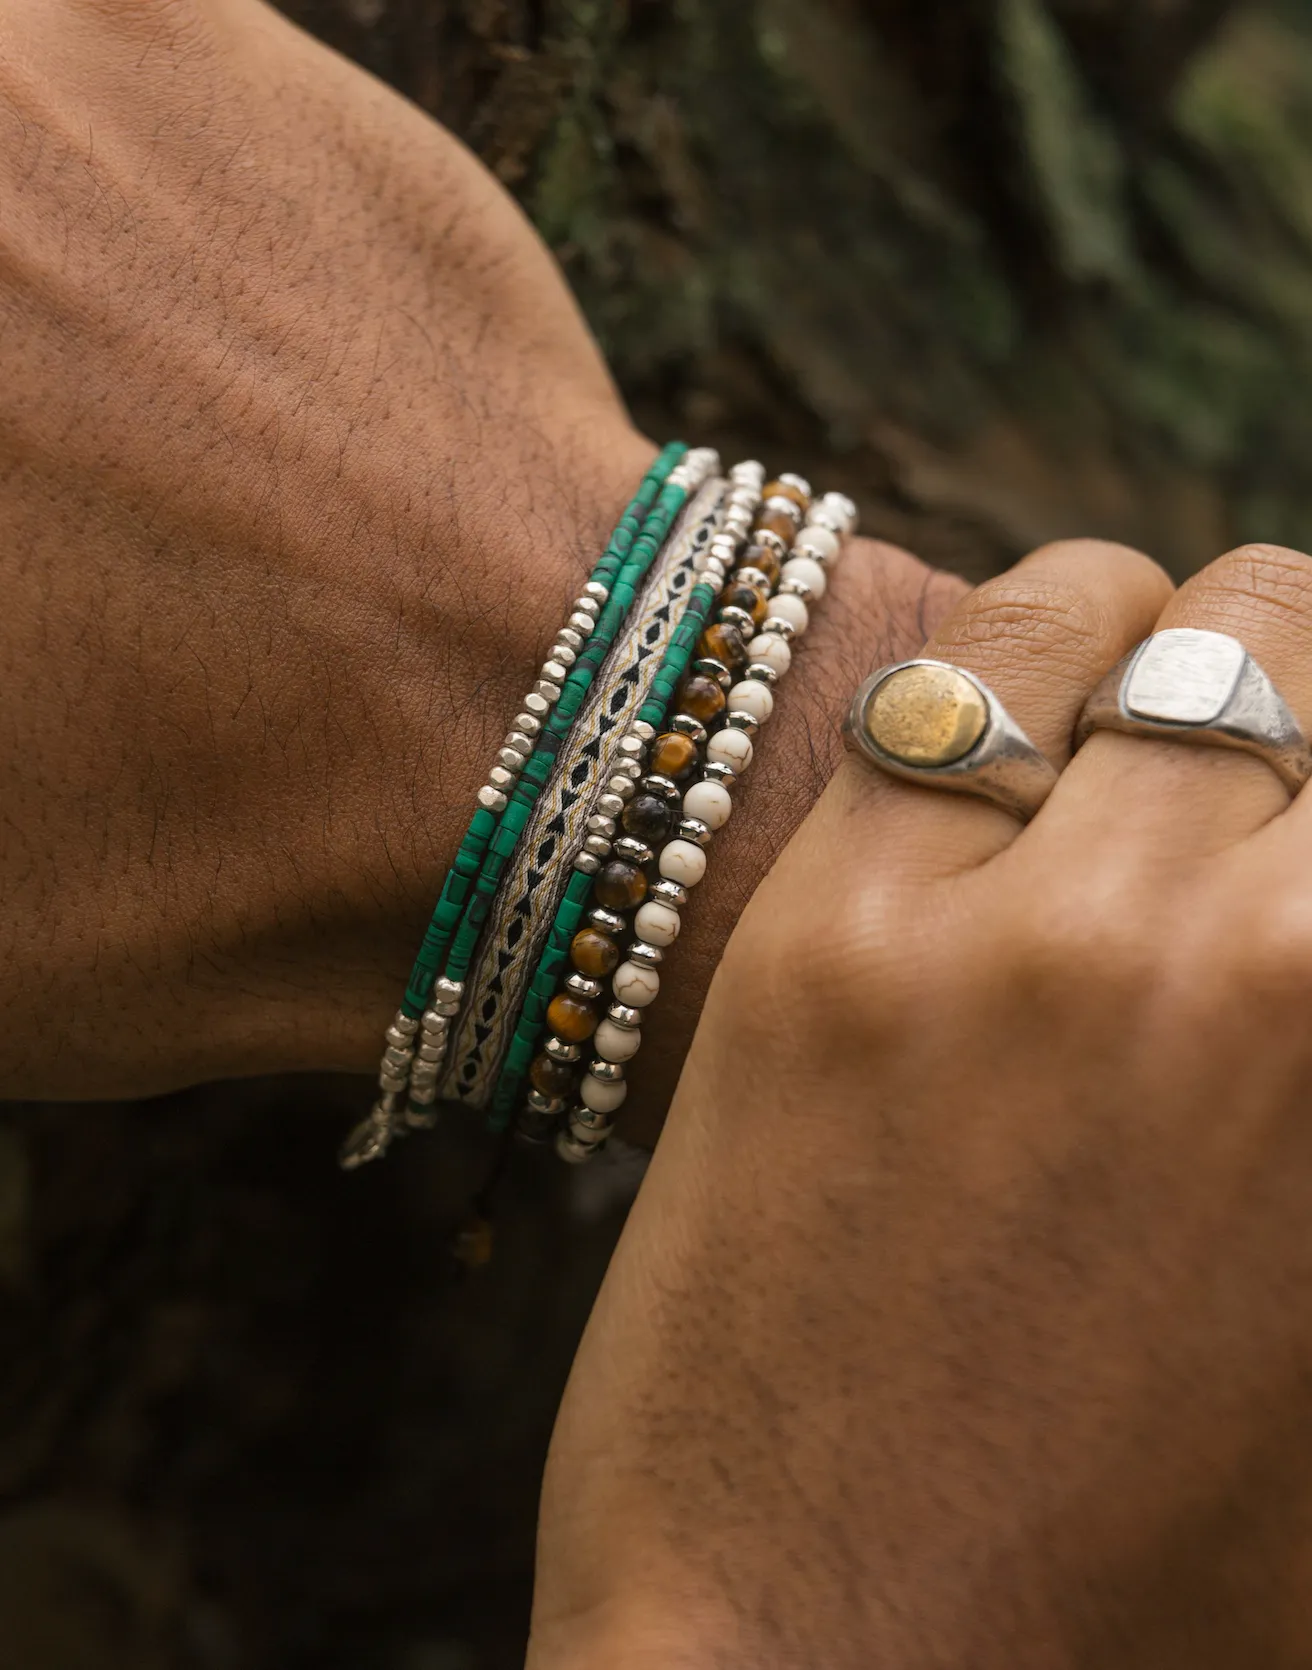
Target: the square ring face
(1183, 677)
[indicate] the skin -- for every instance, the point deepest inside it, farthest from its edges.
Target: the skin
(962, 1319)
(304, 451)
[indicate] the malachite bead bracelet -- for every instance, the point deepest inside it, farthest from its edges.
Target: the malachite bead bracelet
(415, 1040)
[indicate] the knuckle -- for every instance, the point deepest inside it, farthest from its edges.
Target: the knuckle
(1016, 620)
(1096, 948)
(1256, 581)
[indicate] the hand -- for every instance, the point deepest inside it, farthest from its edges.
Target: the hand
(963, 1317)
(304, 449)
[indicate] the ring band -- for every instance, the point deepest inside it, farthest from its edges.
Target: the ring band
(1203, 688)
(933, 723)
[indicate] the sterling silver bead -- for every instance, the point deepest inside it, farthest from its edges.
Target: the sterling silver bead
(624, 788)
(670, 893)
(686, 725)
(640, 728)
(564, 654)
(587, 863)
(641, 952)
(571, 639)
(597, 592)
(447, 991)
(609, 921)
(491, 799)
(547, 690)
(555, 672)
(501, 778)
(740, 721)
(581, 623)
(762, 674)
(582, 985)
(423, 1096)
(611, 805)
(780, 627)
(588, 605)
(623, 1014)
(667, 789)
(520, 743)
(598, 846)
(399, 1040)
(732, 615)
(609, 1072)
(693, 829)
(712, 668)
(550, 1107)
(528, 724)
(771, 541)
(559, 1050)
(630, 768)
(635, 851)
(714, 772)
(753, 576)
(538, 705)
(800, 482)
(631, 747)
(600, 824)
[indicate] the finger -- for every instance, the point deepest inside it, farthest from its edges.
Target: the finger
(1040, 636)
(1177, 797)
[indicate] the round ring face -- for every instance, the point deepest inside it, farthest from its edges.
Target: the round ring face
(926, 716)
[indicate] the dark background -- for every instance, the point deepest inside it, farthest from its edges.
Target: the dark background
(1006, 269)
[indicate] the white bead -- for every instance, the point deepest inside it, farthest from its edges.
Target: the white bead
(843, 508)
(683, 861)
(658, 924)
(809, 571)
(818, 543)
(636, 984)
(751, 696)
(616, 1043)
(771, 650)
(710, 802)
(787, 607)
(600, 1096)
(732, 748)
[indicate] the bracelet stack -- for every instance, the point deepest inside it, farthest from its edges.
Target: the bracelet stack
(592, 828)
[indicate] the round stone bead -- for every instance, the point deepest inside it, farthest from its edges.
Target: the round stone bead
(723, 643)
(793, 610)
(600, 1096)
(594, 953)
(763, 559)
(701, 697)
(571, 1018)
(738, 594)
(658, 924)
(819, 543)
(636, 984)
(617, 1043)
(674, 756)
(552, 1078)
(732, 748)
(777, 522)
(791, 489)
(647, 817)
(771, 651)
(751, 696)
(710, 802)
(683, 862)
(809, 571)
(620, 886)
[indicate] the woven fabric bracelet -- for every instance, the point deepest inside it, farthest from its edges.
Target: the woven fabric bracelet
(710, 737)
(571, 1014)
(415, 1039)
(566, 815)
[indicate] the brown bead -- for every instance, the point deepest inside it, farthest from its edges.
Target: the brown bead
(552, 1077)
(594, 953)
(701, 697)
(725, 644)
(752, 600)
(674, 756)
(570, 1018)
(784, 490)
(762, 557)
(647, 818)
(780, 522)
(620, 886)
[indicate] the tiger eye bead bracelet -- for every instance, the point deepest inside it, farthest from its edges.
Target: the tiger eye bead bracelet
(684, 794)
